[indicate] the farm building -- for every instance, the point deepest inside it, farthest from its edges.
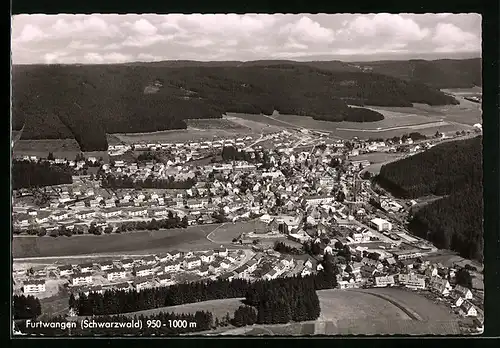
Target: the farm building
(115, 274)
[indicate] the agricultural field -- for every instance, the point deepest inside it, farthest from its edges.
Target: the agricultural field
(61, 148)
(192, 238)
(260, 122)
(217, 123)
(352, 305)
(417, 304)
(173, 136)
(376, 157)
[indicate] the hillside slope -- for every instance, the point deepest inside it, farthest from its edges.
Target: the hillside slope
(85, 102)
(453, 170)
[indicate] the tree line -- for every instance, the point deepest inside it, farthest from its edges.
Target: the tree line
(125, 182)
(29, 174)
(286, 249)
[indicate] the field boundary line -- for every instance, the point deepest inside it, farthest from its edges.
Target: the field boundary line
(412, 314)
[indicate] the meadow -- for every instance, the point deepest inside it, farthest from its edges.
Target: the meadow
(192, 238)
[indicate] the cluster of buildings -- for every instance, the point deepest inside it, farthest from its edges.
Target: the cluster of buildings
(140, 273)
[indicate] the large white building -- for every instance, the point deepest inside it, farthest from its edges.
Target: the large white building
(412, 281)
(81, 279)
(381, 224)
(34, 286)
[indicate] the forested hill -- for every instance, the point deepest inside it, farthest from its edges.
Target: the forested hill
(87, 101)
(453, 170)
(441, 73)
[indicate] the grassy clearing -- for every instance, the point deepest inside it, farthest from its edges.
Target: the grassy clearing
(214, 123)
(260, 123)
(376, 157)
(341, 305)
(61, 148)
(193, 238)
(226, 232)
(219, 308)
(425, 308)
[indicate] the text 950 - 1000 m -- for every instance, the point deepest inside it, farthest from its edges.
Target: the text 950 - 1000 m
(174, 324)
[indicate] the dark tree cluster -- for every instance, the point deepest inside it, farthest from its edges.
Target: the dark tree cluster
(27, 174)
(101, 99)
(280, 301)
(286, 249)
(441, 170)
(125, 182)
(150, 325)
(244, 316)
(463, 278)
(453, 170)
(26, 307)
(114, 302)
(160, 224)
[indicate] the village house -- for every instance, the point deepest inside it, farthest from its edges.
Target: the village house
(81, 279)
(431, 272)
(85, 214)
(126, 263)
(368, 271)
(175, 254)
(225, 264)
(373, 263)
(412, 281)
(440, 285)
(467, 309)
(203, 271)
(34, 286)
(106, 265)
(221, 252)
(192, 262)
(207, 257)
(58, 216)
(251, 265)
(116, 274)
(343, 284)
(172, 266)
(272, 274)
(134, 212)
(143, 271)
(111, 212)
(86, 267)
(165, 280)
(164, 258)
(65, 270)
(149, 260)
(384, 281)
(141, 284)
(456, 299)
(463, 292)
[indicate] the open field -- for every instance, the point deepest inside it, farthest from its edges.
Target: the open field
(217, 123)
(227, 231)
(348, 305)
(258, 123)
(366, 312)
(375, 157)
(144, 241)
(61, 148)
(172, 136)
(419, 305)
(219, 308)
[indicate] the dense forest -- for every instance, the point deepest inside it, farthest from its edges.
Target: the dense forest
(85, 102)
(26, 307)
(26, 174)
(440, 73)
(453, 170)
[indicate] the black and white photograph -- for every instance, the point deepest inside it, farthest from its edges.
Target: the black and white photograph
(246, 175)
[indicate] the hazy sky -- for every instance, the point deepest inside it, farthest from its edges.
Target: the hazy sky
(123, 38)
